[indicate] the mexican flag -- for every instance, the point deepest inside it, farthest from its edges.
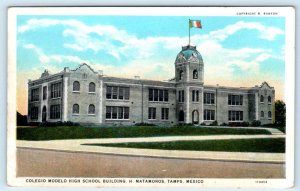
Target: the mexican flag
(195, 24)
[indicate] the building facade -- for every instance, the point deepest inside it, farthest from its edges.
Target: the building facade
(88, 97)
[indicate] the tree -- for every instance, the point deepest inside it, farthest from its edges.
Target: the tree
(280, 116)
(21, 119)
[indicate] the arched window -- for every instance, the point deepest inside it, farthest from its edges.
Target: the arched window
(92, 87)
(269, 99)
(91, 109)
(269, 114)
(261, 98)
(195, 74)
(180, 75)
(75, 109)
(262, 114)
(76, 86)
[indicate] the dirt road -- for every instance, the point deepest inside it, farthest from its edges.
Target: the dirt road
(35, 162)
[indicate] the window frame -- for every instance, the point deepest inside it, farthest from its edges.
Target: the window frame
(209, 115)
(262, 99)
(235, 114)
(55, 111)
(262, 114)
(35, 94)
(113, 113)
(269, 114)
(195, 72)
(165, 114)
(56, 90)
(92, 92)
(34, 113)
(158, 95)
(75, 113)
(114, 92)
(74, 88)
(94, 109)
(151, 113)
(235, 100)
(45, 92)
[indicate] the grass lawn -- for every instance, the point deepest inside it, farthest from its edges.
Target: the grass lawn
(270, 145)
(75, 132)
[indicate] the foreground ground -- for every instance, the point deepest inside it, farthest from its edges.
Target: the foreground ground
(269, 145)
(64, 152)
(55, 133)
(46, 163)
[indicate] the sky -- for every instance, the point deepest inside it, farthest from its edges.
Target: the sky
(237, 51)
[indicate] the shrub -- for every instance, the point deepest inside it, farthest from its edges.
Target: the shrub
(59, 123)
(223, 124)
(245, 124)
(144, 124)
(235, 124)
(255, 123)
(214, 123)
(203, 124)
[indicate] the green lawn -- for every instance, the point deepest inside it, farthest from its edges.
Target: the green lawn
(75, 132)
(270, 145)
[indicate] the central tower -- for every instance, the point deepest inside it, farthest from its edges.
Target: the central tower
(189, 73)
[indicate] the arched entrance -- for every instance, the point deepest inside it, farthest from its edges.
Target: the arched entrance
(195, 117)
(181, 116)
(44, 114)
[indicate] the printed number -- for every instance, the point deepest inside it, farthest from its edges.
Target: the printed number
(261, 181)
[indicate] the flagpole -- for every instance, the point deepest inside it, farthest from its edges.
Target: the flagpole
(189, 32)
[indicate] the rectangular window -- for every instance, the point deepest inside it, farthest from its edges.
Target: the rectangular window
(44, 92)
(151, 95)
(116, 112)
(151, 113)
(126, 112)
(235, 115)
(181, 95)
(55, 112)
(108, 112)
(161, 95)
(209, 115)
(166, 95)
(35, 94)
(195, 95)
(34, 113)
(120, 113)
(158, 95)
(108, 92)
(121, 93)
(235, 99)
(56, 90)
(126, 93)
(209, 98)
(164, 113)
(115, 92)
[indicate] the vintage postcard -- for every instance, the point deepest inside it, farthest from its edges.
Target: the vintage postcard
(151, 97)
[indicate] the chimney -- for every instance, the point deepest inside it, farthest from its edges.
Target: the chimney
(66, 69)
(100, 72)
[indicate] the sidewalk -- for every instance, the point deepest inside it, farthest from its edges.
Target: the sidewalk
(75, 145)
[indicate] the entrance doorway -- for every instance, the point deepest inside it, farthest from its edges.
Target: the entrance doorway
(44, 114)
(181, 116)
(195, 117)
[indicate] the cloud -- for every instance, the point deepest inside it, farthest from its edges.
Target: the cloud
(265, 32)
(119, 43)
(145, 56)
(53, 59)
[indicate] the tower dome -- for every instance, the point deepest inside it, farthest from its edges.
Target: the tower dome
(188, 54)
